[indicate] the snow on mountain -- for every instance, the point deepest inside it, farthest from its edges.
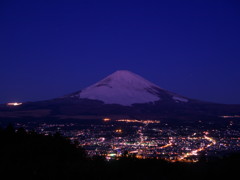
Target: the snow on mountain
(177, 98)
(126, 88)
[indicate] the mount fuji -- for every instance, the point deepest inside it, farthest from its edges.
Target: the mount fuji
(126, 88)
(122, 94)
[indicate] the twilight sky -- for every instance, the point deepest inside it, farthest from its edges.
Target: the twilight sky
(52, 48)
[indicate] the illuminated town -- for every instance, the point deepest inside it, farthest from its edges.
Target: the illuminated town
(147, 139)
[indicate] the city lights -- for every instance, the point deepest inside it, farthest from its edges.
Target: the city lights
(138, 121)
(146, 139)
(106, 119)
(118, 131)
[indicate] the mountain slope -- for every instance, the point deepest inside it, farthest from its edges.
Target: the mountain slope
(126, 88)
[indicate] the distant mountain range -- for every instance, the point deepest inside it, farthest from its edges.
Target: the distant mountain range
(122, 94)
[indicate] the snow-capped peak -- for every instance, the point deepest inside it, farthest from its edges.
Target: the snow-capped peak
(125, 88)
(125, 79)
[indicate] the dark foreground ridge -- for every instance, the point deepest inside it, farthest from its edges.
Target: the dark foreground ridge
(28, 155)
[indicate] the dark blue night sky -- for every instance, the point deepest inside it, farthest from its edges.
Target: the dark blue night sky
(52, 48)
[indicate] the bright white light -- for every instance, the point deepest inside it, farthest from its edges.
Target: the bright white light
(14, 104)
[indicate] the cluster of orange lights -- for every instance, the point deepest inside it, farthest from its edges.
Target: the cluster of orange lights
(118, 131)
(133, 121)
(167, 145)
(138, 121)
(106, 119)
(195, 152)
